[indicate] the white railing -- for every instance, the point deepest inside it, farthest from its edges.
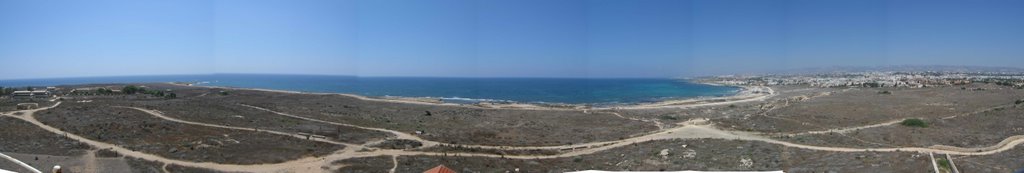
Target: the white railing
(20, 163)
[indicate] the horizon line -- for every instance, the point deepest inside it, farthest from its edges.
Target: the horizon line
(344, 75)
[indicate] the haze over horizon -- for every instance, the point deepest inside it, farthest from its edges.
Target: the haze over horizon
(503, 38)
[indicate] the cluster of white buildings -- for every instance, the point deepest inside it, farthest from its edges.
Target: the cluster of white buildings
(874, 79)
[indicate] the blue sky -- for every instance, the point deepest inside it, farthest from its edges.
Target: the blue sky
(499, 38)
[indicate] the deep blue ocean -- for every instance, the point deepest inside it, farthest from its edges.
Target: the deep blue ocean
(459, 90)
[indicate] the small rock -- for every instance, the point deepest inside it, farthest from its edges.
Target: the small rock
(746, 162)
(664, 154)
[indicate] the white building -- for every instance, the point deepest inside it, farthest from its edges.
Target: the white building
(30, 94)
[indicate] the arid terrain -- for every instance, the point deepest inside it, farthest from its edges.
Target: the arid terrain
(794, 128)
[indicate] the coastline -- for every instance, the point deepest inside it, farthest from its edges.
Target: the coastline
(744, 94)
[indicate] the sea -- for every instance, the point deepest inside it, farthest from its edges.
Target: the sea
(588, 91)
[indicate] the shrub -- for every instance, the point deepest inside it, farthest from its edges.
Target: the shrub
(104, 91)
(885, 92)
(914, 122)
(1021, 101)
(943, 163)
(668, 117)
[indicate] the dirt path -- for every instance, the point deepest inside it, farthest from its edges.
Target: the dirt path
(394, 159)
(399, 135)
(655, 122)
(845, 130)
(693, 129)
(429, 143)
(299, 165)
(160, 115)
(90, 162)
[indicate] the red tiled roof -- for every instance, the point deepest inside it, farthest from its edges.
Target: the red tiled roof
(439, 169)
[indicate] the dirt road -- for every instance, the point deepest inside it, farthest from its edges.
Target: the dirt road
(693, 129)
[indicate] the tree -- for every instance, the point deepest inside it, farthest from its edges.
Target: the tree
(104, 91)
(130, 89)
(914, 122)
(171, 96)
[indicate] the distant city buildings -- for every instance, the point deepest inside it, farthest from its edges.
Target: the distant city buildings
(875, 79)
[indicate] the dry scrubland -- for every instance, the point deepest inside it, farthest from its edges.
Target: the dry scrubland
(139, 131)
(720, 155)
(861, 106)
(215, 111)
(696, 154)
(23, 137)
(976, 115)
(976, 130)
(452, 124)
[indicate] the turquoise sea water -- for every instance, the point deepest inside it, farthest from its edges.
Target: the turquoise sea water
(533, 90)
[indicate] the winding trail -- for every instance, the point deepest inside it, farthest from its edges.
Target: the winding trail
(845, 130)
(160, 115)
(394, 159)
(693, 129)
(399, 135)
(655, 122)
(429, 143)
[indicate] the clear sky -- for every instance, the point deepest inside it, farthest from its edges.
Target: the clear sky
(499, 38)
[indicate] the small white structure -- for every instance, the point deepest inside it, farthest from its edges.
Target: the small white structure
(27, 106)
